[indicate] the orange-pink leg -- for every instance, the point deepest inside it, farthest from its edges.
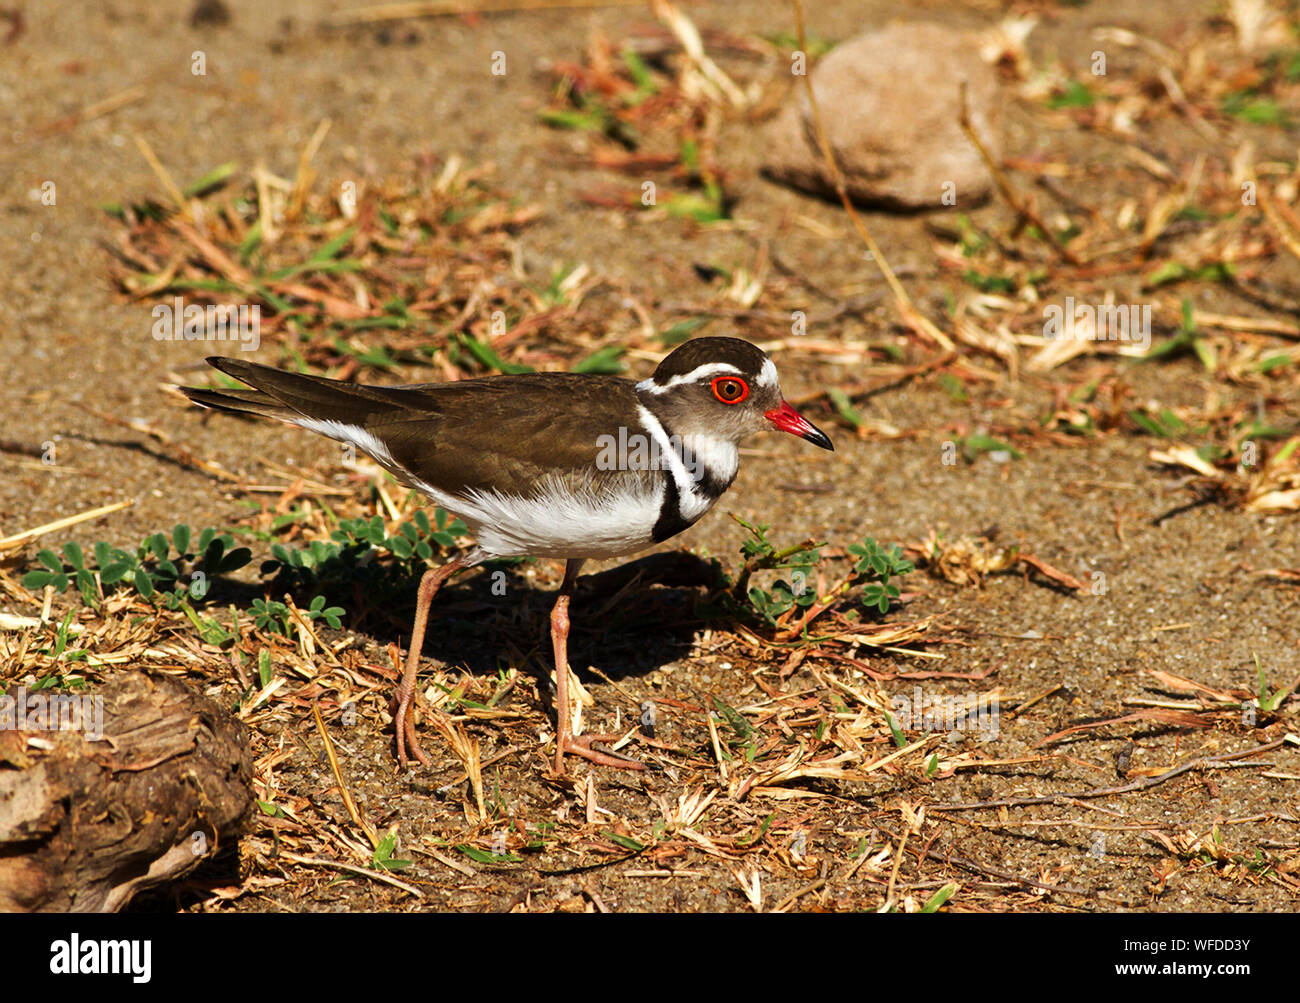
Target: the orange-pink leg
(404, 699)
(564, 742)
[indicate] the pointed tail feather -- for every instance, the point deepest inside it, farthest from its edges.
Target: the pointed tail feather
(291, 396)
(252, 402)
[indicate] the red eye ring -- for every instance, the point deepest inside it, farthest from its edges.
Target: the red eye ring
(718, 382)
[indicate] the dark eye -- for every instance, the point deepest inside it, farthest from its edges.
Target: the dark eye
(730, 390)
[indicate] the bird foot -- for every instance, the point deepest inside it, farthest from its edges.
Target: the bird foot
(403, 708)
(581, 746)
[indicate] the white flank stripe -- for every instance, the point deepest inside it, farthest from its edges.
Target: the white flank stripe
(691, 502)
(354, 434)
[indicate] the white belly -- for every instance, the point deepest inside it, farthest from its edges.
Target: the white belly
(559, 523)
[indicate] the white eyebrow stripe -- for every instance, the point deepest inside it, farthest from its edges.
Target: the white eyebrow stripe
(698, 373)
(767, 375)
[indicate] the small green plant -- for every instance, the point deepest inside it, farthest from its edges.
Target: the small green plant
(1256, 110)
(275, 617)
(895, 732)
(973, 445)
(1188, 339)
(789, 42)
(844, 408)
(682, 330)
(602, 360)
(209, 630)
(953, 386)
(59, 652)
(989, 283)
(359, 552)
(1074, 95)
(935, 902)
(1269, 702)
(735, 721)
(972, 240)
(761, 555)
(588, 113)
(485, 857)
(485, 356)
(383, 859)
(270, 616)
(707, 206)
(1163, 423)
(153, 569)
(876, 566)
(759, 834)
(626, 842)
(1176, 271)
(346, 556)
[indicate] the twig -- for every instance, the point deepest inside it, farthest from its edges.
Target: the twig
(338, 779)
(22, 539)
(146, 151)
(794, 896)
(363, 872)
(911, 316)
(630, 697)
(897, 376)
(174, 450)
(1021, 708)
(96, 110)
(1274, 214)
(893, 875)
(1023, 208)
(23, 448)
(717, 747)
(1101, 792)
(443, 8)
(689, 37)
(922, 746)
(997, 872)
(302, 181)
(463, 776)
(447, 861)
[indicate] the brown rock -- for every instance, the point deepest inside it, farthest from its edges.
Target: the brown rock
(890, 102)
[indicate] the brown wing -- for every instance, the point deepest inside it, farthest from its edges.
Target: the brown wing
(505, 433)
(496, 433)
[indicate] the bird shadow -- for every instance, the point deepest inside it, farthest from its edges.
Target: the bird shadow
(626, 621)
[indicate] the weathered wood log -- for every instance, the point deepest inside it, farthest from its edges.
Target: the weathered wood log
(109, 791)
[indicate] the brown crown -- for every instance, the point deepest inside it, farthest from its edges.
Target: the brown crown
(701, 351)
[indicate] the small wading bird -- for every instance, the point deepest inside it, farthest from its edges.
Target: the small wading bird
(525, 461)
